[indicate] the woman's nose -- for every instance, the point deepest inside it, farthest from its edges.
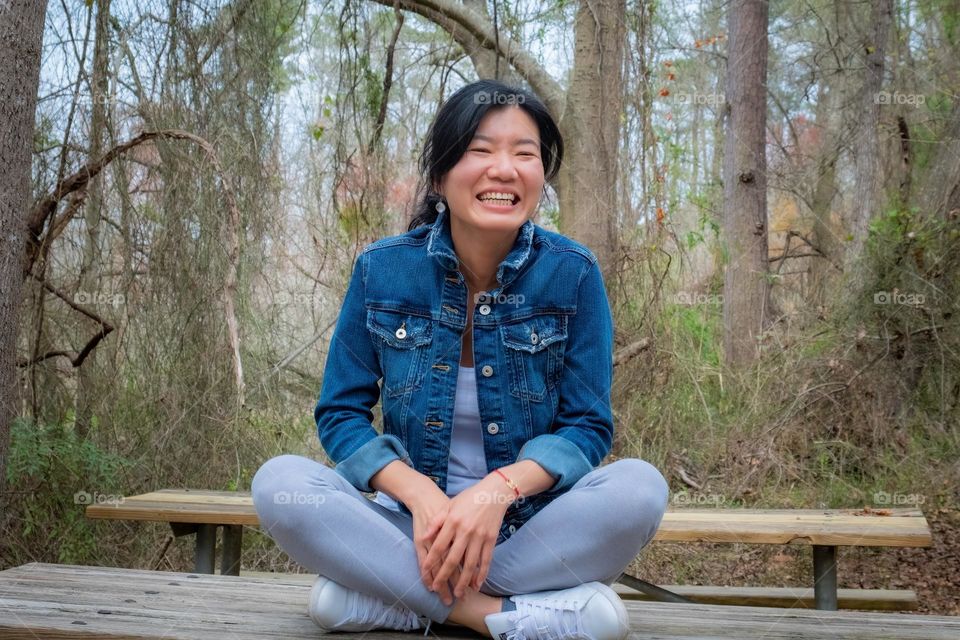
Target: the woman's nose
(502, 166)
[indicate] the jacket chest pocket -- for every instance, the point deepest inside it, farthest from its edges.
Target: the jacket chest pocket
(402, 341)
(534, 351)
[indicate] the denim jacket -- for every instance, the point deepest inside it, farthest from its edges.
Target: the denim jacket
(542, 352)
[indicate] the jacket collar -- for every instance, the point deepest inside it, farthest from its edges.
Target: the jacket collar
(440, 246)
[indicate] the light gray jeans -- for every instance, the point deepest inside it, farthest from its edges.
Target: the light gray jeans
(591, 532)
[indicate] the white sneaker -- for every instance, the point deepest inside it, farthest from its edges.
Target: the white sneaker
(335, 608)
(590, 611)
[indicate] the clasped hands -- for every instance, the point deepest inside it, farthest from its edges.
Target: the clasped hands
(455, 537)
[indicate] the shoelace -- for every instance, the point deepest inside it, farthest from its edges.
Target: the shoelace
(545, 614)
(367, 609)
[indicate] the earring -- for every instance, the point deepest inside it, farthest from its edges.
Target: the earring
(440, 207)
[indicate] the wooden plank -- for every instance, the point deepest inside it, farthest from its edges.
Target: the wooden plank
(60, 601)
(785, 597)
(840, 527)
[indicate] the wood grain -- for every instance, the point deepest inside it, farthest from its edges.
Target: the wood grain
(60, 601)
(786, 597)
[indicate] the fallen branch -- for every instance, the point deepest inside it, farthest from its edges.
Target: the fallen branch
(631, 351)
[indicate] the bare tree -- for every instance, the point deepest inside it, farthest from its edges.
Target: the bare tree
(21, 35)
(746, 289)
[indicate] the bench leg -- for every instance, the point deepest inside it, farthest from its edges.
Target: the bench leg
(205, 553)
(230, 554)
(825, 577)
(652, 590)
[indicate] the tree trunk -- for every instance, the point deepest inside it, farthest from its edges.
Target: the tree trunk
(868, 152)
(21, 35)
(90, 272)
(746, 290)
(591, 131)
(825, 235)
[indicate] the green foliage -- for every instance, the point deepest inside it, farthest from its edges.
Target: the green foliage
(57, 475)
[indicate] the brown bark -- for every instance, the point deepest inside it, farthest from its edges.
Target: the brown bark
(21, 35)
(868, 150)
(746, 291)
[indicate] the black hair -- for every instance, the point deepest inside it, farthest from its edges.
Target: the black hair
(453, 129)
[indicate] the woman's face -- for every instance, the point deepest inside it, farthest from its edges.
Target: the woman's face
(503, 159)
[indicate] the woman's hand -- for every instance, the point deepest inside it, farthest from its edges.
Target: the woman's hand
(429, 510)
(466, 536)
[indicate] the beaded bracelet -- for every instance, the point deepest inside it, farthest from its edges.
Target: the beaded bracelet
(508, 481)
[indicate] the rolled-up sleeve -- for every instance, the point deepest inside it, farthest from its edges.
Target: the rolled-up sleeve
(343, 412)
(582, 433)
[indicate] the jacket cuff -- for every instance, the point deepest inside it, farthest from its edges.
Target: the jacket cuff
(559, 457)
(371, 457)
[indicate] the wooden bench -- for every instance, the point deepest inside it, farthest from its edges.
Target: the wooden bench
(202, 512)
(62, 601)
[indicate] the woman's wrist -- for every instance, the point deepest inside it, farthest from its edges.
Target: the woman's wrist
(403, 483)
(498, 489)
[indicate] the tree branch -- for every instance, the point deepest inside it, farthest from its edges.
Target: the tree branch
(471, 31)
(75, 360)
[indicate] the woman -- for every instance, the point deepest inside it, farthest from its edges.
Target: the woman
(492, 342)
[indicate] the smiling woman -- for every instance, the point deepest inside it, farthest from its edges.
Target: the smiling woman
(492, 339)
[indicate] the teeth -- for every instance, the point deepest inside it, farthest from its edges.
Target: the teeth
(492, 195)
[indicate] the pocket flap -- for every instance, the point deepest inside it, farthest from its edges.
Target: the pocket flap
(400, 330)
(534, 334)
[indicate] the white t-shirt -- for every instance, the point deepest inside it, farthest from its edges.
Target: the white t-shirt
(467, 463)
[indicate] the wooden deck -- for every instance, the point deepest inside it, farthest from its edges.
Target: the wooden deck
(60, 601)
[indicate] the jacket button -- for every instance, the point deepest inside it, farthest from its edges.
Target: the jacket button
(512, 529)
(484, 309)
(493, 428)
(401, 333)
(534, 338)
(487, 371)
